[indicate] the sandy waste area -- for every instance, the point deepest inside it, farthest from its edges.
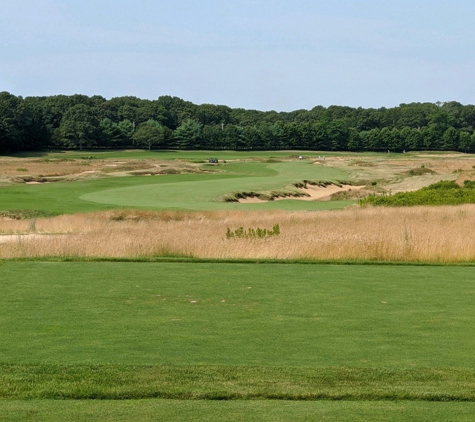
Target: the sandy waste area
(314, 193)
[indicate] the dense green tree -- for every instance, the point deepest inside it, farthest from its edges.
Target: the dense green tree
(466, 142)
(127, 129)
(412, 138)
(111, 134)
(149, 134)
(12, 121)
(450, 139)
(188, 135)
(337, 133)
(354, 140)
(79, 127)
(431, 138)
(36, 122)
(372, 139)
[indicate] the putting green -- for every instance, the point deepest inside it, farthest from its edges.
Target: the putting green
(199, 194)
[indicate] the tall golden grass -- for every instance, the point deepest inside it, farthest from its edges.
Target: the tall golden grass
(425, 234)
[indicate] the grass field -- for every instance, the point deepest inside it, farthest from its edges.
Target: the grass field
(181, 191)
(81, 184)
(208, 341)
(274, 315)
(229, 331)
(242, 411)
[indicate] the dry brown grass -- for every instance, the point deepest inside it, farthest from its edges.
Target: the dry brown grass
(23, 170)
(442, 234)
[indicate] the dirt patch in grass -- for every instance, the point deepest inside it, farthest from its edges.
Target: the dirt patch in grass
(35, 171)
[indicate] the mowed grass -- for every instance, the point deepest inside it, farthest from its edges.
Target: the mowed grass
(237, 314)
(184, 191)
(186, 341)
(230, 331)
(240, 411)
(186, 154)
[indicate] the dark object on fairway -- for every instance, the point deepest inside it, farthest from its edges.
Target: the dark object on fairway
(213, 161)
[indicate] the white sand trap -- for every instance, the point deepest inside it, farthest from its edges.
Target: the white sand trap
(34, 183)
(251, 200)
(314, 193)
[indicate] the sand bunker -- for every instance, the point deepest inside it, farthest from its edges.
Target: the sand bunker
(313, 192)
(319, 192)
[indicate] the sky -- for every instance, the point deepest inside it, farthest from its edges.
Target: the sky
(278, 55)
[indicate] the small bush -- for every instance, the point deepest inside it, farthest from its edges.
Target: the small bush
(21, 169)
(253, 233)
(89, 157)
(420, 171)
(441, 193)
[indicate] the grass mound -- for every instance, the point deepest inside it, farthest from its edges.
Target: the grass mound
(419, 171)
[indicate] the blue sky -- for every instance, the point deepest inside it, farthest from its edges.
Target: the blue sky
(266, 55)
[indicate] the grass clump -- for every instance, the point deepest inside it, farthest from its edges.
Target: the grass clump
(252, 233)
(420, 171)
(440, 193)
(27, 214)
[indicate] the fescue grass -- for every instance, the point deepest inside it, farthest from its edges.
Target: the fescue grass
(416, 234)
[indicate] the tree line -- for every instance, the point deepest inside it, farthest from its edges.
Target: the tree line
(79, 122)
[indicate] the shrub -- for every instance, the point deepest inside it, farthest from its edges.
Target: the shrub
(253, 233)
(441, 193)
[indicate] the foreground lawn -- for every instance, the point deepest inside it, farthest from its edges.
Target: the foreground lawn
(281, 331)
(237, 314)
(245, 411)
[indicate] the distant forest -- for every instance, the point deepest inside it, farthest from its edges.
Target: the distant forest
(82, 122)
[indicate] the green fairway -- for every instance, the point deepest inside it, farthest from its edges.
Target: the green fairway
(184, 191)
(237, 314)
(182, 154)
(205, 194)
(239, 411)
(179, 330)
(297, 334)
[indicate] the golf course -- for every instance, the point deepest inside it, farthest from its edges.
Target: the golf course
(157, 285)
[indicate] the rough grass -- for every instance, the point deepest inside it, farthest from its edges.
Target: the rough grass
(211, 382)
(416, 234)
(234, 410)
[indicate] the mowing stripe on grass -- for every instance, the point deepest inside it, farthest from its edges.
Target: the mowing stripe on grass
(218, 382)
